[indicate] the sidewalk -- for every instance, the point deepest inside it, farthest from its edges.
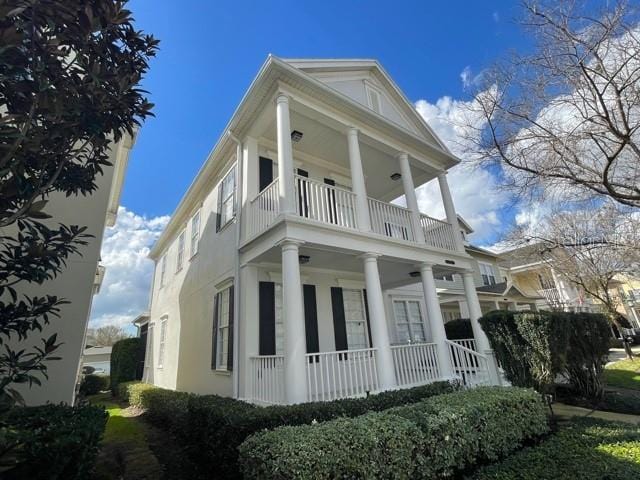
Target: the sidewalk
(617, 354)
(565, 412)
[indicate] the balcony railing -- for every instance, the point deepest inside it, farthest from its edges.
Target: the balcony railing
(325, 203)
(267, 379)
(391, 220)
(437, 233)
(469, 343)
(333, 205)
(471, 366)
(415, 364)
(342, 374)
(264, 209)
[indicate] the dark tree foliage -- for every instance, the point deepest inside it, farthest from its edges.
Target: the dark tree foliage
(124, 361)
(69, 76)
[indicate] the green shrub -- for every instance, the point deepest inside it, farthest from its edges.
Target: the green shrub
(534, 348)
(586, 449)
(458, 329)
(92, 384)
(131, 392)
(125, 355)
(211, 427)
(429, 439)
(52, 441)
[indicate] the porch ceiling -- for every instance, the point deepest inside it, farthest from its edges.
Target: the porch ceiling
(326, 140)
(394, 272)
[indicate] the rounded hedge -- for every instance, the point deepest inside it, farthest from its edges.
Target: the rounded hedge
(92, 384)
(125, 355)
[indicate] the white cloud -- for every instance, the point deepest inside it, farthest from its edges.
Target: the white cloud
(125, 289)
(468, 78)
(474, 189)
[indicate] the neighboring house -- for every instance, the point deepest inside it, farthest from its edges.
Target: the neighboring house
(274, 275)
(98, 358)
(79, 280)
(628, 290)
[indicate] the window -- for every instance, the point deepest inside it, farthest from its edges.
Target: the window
(373, 97)
(223, 329)
(488, 275)
(409, 324)
(195, 233)
(163, 269)
(163, 336)
(447, 277)
(546, 282)
(355, 319)
(180, 259)
(226, 198)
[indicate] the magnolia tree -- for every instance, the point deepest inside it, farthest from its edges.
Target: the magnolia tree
(564, 119)
(69, 88)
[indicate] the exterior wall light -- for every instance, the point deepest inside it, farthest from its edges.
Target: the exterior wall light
(296, 136)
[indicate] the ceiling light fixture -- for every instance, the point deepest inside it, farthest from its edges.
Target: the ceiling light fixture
(303, 259)
(296, 136)
(414, 274)
(396, 176)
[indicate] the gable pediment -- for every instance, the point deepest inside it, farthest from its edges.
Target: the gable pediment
(366, 83)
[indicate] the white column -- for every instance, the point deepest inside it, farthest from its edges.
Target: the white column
(436, 323)
(410, 195)
(378, 322)
(249, 177)
(247, 330)
(450, 210)
(357, 181)
(295, 381)
(496, 305)
(482, 342)
(285, 156)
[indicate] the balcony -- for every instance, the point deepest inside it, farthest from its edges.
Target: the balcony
(330, 205)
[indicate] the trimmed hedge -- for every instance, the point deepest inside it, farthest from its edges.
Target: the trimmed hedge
(430, 439)
(131, 392)
(124, 361)
(52, 441)
(458, 329)
(586, 449)
(92, 384)
(210, 428)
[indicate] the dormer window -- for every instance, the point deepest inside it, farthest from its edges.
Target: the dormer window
(373, 98)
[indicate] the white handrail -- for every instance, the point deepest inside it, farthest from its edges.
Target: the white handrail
(391, 220)
(325, 203)
(469, 343)
(264, 209)
(267, 379)
(341, 374)
(472, 367)
(437, 233)
(415, 364)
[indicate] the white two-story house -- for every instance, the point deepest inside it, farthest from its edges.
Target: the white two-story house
(272, 278)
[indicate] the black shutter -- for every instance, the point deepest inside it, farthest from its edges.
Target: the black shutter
(214, 336)
(366, 313)
(265, 172)
(219, 209)
(339, 325)
(231, 325)
(267, 318)
(311, 318)
(331, 201)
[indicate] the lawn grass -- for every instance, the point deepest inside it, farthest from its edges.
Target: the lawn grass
(124, 452)
(584, 448)
(624, 374)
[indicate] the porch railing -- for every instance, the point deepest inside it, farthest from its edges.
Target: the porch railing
(264, 209)
(342, 374)
(325, 203)
(391, 220)
(469, 343)
(471, 366)
(415, 364)
(267, 379)
(437, 233)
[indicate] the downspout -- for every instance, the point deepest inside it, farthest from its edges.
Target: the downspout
(236, 280)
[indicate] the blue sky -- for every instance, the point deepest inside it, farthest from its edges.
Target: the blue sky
(210, 52)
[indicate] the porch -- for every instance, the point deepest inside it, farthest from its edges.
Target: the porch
(354, 373)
